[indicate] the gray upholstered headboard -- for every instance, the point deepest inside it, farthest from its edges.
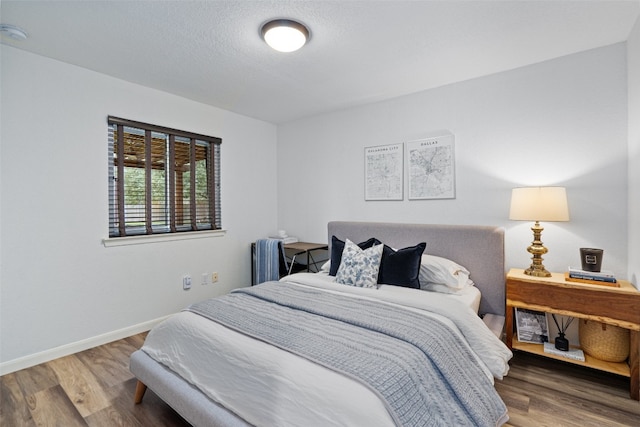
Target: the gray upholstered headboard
(479, 248)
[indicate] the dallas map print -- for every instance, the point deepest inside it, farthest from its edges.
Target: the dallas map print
(431, 168)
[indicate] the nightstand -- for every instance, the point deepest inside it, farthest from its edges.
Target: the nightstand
(616, 306)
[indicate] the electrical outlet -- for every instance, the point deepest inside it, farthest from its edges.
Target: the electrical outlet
(205, 279)
(186, 282)
(214, 277)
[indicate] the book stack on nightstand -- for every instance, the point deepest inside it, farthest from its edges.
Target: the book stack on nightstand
(603, 277)
(284, 237)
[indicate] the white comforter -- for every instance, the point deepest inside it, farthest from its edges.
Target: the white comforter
(270, 387)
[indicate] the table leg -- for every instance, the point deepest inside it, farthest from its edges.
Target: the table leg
(634, 364)
(508, 314)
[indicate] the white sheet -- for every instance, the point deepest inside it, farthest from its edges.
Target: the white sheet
(276, 388)
(468, 295)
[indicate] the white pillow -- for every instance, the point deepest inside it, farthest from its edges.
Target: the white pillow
(359, 267)
(444, 289)
(443, 271)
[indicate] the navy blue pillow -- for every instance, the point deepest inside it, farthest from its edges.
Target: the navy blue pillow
(337, 246)
(401, 267)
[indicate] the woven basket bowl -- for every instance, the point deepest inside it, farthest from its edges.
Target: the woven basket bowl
(605, 342)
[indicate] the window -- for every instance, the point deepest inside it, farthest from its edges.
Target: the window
(161, 180)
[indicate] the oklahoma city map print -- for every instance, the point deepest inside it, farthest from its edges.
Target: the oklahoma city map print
(383, 172)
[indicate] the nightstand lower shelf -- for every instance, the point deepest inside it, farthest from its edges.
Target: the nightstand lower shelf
(621, 368)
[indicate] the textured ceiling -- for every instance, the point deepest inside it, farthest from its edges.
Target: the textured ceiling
(360, 51)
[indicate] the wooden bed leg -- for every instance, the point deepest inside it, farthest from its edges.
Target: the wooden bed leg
(140, 389)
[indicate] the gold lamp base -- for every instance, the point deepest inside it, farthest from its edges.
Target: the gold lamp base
(537, 250)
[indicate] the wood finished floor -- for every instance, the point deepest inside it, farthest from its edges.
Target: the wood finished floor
(95, 388)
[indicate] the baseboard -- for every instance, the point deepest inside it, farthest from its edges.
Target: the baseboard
(75, 347)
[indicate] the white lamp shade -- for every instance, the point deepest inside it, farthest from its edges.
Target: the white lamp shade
(285, 35)
(539, 204)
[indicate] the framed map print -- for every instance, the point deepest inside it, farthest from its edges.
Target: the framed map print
(431, 164)
(384, 174)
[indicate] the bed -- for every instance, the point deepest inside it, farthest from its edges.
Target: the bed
(217, 365)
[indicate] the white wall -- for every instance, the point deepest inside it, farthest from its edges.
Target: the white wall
(560, 122)
(60, 287)
(633, 58)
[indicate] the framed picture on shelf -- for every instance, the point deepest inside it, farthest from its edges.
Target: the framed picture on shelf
(532, 326)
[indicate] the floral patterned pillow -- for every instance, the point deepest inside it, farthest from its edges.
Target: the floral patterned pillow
(359, 267)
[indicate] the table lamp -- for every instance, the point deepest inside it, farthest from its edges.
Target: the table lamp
(538, 204)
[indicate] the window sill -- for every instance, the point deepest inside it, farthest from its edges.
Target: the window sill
(158, 238)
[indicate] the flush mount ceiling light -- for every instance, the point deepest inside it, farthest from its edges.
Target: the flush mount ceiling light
(285, 35)
(13, 32)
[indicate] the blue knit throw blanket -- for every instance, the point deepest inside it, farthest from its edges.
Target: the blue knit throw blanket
(422, 371)
(267, 260)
